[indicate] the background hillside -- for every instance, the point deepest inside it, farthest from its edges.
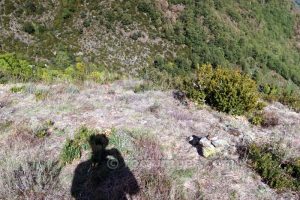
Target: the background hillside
(259, 37)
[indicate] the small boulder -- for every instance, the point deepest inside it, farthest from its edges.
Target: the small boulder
(219, 143)
(206, 146)
(208, 149)
(205, 142)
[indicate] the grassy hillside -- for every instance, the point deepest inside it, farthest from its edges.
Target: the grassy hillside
(44, 131)
(149, 99)
(164, 41)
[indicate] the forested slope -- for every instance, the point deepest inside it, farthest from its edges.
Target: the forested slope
(168, 38)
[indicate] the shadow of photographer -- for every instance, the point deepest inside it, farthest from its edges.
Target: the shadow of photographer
(105, 176)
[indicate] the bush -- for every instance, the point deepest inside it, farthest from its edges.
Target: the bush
(136, 35)
(257, 119)
(3, 78)
(126, 19)
(73, 147)
(30, 7)
(41, 95)
(97, 76)
(292, 100)
(17, 89)
(87, 23)
(81, 69)
(194, 92)
(148, 8)
(225, 89)
(141, 88)
(67, 13)
(29, 28)
(267, 161)
(12, 68)
(70, 152)
(43, 130)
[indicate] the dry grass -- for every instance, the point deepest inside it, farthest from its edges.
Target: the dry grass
(153, 158)
(27, 171)
(29, 180)
(270, 119)
(151, 172)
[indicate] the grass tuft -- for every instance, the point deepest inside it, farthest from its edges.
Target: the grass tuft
(17, 89)
(73, 148)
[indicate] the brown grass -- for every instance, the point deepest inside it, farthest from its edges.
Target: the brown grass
(270, 119)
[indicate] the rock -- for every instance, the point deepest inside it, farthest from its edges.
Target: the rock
(207, 146)
(205, 142)
(219, 143)
(209, 151)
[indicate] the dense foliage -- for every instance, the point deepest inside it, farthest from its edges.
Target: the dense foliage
(12, 68)
(267, 161)
(73, 148)
(250, 34)
(225, 89)
(259, 37)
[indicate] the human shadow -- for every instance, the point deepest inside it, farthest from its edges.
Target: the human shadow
(105, 176)
(195, 142)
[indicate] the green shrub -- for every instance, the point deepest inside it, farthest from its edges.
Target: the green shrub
(87, 23)
(257, 119)
(73, 148)
(141, 88)
(3, 78)
(267, 161)
(63, 59)
(43, 130)
(136, 35)
(16, 89)
(70, 152)
(41, 95)
(30, 7)
(81, 70)
(292, 100)
(66, 13)
(148, 8)
(194, 92)
(12, 68)
(126, 19)
(29, 28)
(69, 73)
(260, 106)
(227, 90)
(49, 75)
(97, 76)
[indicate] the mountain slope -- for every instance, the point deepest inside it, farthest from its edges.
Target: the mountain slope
(257, 36)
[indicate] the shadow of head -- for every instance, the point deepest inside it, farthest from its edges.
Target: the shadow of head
(195, 142)
(98, 140)
(98, 144)
(105, 175)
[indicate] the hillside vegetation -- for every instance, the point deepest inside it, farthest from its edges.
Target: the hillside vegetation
(43, 141)
(163, 41)
(149, 99)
